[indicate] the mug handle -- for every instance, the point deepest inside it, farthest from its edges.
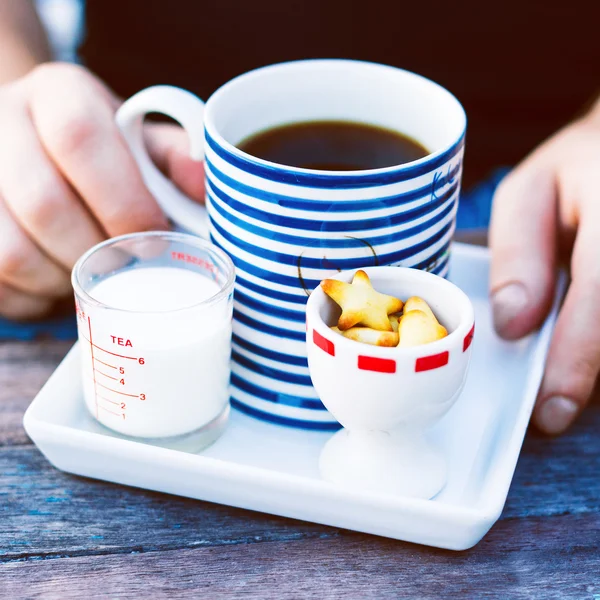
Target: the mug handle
(188, 110)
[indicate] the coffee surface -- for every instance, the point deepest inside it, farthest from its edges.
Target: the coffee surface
(333, 146)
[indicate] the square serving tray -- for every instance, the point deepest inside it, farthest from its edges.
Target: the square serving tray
(274, 469)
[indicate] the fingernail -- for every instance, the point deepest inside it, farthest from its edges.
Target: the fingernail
(556, 414)
(507, 303)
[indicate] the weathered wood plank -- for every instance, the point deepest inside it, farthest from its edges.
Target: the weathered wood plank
(553, 477)
(24, 368)
(47, 513)
(44, 511)
(559, 475)
(546, 558)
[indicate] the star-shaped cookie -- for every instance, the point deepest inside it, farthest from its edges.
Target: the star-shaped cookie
(361, 304)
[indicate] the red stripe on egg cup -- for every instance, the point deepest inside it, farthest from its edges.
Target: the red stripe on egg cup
(379, 365)
(469, 338)
(435, 361)
(323, 343)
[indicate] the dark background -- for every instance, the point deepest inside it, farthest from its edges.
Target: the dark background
(521, 68)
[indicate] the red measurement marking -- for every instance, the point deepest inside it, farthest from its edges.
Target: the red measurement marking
(93, 367)
(435, 361)
(111, 401)
(79, 311)
(106, 364)
(195, 261)
(112, 412)
(380, 365)
(117, 392)
(105, 375)
(107, 352)
(121, 341)
(119, 355)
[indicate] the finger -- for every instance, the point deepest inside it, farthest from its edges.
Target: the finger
(76, 125)
(574, 356)
(39, 198)
(22, 264)
(523, 234)
(16, 305)
(169, 148)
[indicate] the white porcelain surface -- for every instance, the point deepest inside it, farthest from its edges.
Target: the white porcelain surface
(373, 388)
(269, 468)
(399, 463)
(287, 228)
(387, 397)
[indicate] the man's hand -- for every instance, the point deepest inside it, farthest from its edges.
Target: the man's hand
(68, 181)
(546, 209)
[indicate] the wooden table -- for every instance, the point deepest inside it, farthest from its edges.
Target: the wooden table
(63, 536)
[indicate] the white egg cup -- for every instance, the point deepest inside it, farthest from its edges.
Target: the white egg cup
(387, 398)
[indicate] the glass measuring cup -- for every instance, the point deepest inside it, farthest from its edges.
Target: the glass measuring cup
(154, 317)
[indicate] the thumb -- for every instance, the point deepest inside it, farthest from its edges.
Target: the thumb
(169, 148)
(523, 233)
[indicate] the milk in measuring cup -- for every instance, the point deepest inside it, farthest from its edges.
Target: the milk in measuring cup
(157, 365)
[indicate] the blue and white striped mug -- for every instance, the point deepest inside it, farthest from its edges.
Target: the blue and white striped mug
(287, 228)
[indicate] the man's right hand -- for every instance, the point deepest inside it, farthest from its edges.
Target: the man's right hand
(68, 181)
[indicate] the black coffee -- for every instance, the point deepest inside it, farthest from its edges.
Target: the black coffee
(333, 146)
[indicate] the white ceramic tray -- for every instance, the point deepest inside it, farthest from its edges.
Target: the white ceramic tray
(274, 469)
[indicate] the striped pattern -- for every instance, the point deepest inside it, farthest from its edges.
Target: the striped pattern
(287, 230)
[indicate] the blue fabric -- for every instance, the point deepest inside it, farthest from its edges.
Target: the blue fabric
(474, 212)
(59, 328)
(475, 206)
